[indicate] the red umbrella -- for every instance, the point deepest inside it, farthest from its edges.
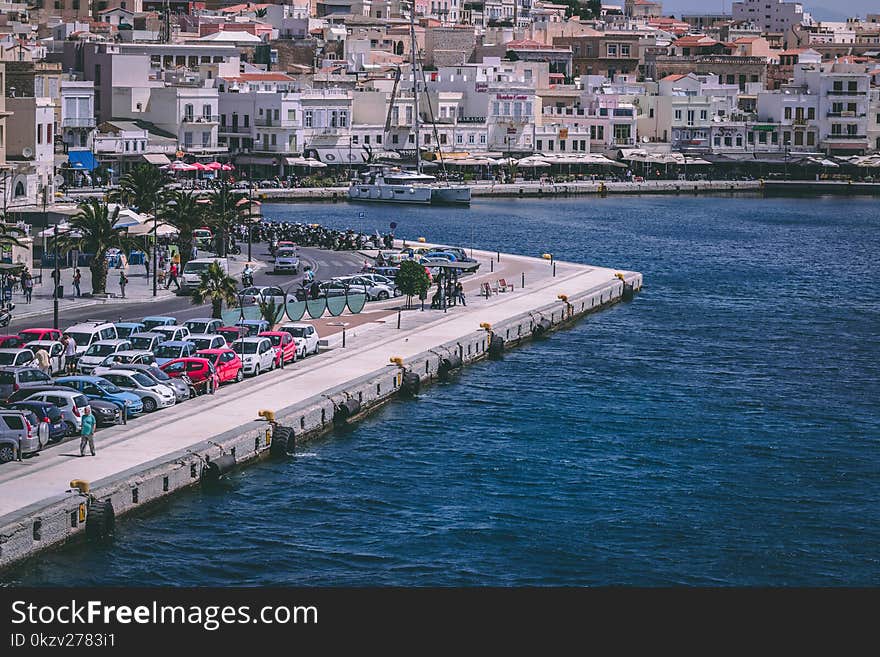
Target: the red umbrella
(198, 166)
(227, 167)
(213, 166)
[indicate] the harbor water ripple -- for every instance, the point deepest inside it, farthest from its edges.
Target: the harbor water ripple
(722, 429)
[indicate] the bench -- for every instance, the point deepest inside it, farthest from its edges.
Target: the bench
(504, 286)
(486, 290)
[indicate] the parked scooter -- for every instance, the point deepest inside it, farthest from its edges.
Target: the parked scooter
(6, 314)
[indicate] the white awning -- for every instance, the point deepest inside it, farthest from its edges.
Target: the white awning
(156, 158)
(341, 156)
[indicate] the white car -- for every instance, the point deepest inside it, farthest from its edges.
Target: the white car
(55, 349)
(305, 336)
(257, 354)
(207, 341)
(17, 357)
(172, 333)
(121, 358)
(251, 295)
(98, 351)
(372, 289)
(203, 325)
(153, 395)
(87, 333)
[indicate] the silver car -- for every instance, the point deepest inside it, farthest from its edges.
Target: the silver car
(21, 433)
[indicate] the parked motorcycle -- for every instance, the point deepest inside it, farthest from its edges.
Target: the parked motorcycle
(6, 314)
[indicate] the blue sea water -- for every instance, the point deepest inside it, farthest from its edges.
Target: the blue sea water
(721, 429)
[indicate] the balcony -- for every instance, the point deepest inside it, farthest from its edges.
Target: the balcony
(847, 137)
(846, 115)
(275, 123)
(835, 92)
(235, 129)
(78, 122)
(213, 118)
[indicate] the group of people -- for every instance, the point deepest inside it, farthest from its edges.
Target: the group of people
(454, 293)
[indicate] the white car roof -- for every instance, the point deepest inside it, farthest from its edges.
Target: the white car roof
(133, 352)
(16, 350)
(86, 327)
(252, 338)
(114, 341)
(42, 343)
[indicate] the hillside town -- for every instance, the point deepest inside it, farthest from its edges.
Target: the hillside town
(306, 93)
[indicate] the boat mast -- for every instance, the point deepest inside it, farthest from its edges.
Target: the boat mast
(414, 50)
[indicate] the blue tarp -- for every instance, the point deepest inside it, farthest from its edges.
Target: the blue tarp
(82, 160)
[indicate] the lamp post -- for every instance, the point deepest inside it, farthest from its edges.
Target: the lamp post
(56, 276)
(787, 151)
(155, 248)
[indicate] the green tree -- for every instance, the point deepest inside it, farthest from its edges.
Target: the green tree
(412, 279)
(184, 212)
(143, 188)
(269, 310)
(215, 287)
(92, 230)
(260, 13)
(9, 235)
(224, 212)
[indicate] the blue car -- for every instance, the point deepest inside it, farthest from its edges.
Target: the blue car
(125, 329)
(174, 349)
(45, 412)
(158, 320)
(96, 387)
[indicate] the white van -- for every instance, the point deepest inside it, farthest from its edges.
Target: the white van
(192, 271)
(87, 333)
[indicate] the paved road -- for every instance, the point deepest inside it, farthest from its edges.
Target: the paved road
(326, 264)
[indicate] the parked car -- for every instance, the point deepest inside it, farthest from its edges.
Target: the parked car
(203, 325)
(193, 270)
(69, 402)
(95, 387)
(198, 372)
(153, 395)
(10, 342)
(17, 357)
(125, 329)
(378, 279)
(257, 355)
(128, 357)
(48, 414)
(207, 341)
(252, 295)
(372, 289)
(181, 389)
(98, 351)
(172, 332)
(227, 363)
(19, 430)
(202, 237)
(171, 350)
(31, 334)
(253, 326)
(284, 346)
(388, 272)
(87, 333)
(232, 333)
(286, 261)
(157, 320)
(13, 379)
(305, 336)
(57, 359)
(146, 341)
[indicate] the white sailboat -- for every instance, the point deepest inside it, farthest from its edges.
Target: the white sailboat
(387, 184)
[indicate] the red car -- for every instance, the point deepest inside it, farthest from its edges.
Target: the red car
(200, 372)
(227, 363)
(232, 333)
(31, 334)
(284, 344)
(10, 342)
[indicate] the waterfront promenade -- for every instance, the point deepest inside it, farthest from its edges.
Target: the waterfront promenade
(37, 490)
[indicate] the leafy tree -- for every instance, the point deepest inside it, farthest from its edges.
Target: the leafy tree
(184, 212)
(412, 279)
(215, 287)
(92, 230)
(144, 188)
(224, 212)
(269, 310)
(260, 13)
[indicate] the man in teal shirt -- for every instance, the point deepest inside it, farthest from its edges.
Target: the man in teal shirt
(87, 432)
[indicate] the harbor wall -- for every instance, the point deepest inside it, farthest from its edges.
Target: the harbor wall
(65, 517)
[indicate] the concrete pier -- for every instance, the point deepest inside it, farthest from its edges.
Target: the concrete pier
(156, 455)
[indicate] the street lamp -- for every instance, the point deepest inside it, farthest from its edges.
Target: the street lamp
(787, 151)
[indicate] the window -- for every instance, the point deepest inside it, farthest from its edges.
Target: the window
(678, 115)
(366, 139)
(291, 115)
(354, 139)
(343, 118)
(482, 138)
(852, 85)
(786, 138)
(188, 112)
(703, 115)
(395, 139)
(471, 138)
(728, 141)
(811, 139)
(838, 85)
(307, 118)
(206, 139)
(799, 138)
(459, 139)
(612, 49)
(811, 113)
(39, 133)
(247, 120)
(206, 112)
(787, 112)
(624, 50)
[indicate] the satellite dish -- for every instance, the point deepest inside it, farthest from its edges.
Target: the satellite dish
(645, 139)
(27, 152)
(58, 180)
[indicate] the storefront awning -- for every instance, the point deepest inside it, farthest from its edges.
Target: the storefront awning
(157, 158)
(82, 160)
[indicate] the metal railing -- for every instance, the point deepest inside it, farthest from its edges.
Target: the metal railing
(78, 122)
(213, 118)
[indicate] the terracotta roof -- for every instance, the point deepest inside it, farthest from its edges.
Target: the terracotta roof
(262, 77)
(672, 78)
(527, 44)
(234, 9)
(794, 51)
(695, 40)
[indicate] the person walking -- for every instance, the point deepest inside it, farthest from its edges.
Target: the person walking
(77, 277)
(172, 276)
(147, 265)
(69, 354)
(27, 284)
(459, 291)
(87, 433)
(42, 357)
(123, 281)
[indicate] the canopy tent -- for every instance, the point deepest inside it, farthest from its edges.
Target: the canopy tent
(180, 165)
(532, 163)
(82, 160)
(213, 166)
(313, 163)
(127, 217)
(156, 158)
(146, 228)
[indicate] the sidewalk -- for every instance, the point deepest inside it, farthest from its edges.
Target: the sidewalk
(139, 289)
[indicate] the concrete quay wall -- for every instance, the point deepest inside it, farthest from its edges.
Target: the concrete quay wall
(65, 517)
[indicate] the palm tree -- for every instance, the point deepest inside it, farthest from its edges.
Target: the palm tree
(9, 235)
(185, 213)
(269, 310)
(224, 212)
(218, 287)
(92, 231)
(144, 188)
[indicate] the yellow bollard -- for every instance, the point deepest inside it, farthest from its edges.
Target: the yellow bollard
(267, 415)
(81, 485)
(397, 360)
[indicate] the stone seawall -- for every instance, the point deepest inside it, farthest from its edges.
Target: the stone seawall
(65, 517)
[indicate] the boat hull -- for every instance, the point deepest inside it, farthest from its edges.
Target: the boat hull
(390, 194)
(451, 195)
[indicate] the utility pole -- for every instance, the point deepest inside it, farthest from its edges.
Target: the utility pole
(56, 277)
(155, 248)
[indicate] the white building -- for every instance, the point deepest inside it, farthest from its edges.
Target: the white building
(771, 15)
(77, 113)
